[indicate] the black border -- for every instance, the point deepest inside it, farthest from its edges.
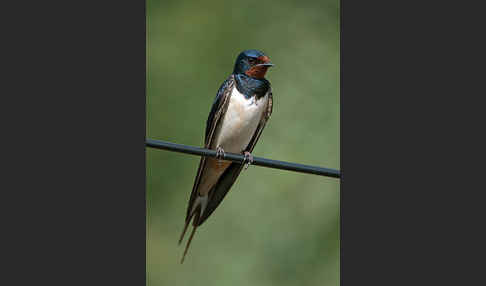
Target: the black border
(76, 181)
(409, 212)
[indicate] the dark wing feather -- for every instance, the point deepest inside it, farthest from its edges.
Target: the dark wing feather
(263, 122)
(228, 178)
(222, 95)
(218, 109)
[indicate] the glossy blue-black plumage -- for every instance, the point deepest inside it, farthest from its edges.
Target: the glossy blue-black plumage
(242, 64)
(249, 86)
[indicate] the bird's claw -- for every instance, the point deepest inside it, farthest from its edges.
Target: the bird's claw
(219, 153)
(248, 159)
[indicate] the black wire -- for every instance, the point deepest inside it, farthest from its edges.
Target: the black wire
(238, 158)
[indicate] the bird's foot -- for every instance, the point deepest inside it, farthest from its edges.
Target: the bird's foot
(219, 153)
(248, 159)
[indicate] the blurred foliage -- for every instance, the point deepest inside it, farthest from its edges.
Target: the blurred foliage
(274, 227)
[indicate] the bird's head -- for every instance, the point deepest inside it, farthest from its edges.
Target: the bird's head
(253, 63)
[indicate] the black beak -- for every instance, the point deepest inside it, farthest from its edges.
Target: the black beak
(266, 65)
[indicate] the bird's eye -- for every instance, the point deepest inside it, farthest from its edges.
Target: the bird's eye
(251, 60)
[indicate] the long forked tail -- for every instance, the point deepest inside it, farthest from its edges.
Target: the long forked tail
(197, 214)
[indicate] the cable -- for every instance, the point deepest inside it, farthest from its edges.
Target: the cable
(238, 158)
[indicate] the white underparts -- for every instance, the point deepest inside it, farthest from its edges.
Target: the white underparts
(240, 122)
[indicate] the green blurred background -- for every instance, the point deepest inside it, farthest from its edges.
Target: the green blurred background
(274, 227)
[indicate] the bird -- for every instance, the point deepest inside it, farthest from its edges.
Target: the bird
(238, 115)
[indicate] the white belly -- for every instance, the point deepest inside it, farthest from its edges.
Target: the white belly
(240, 122)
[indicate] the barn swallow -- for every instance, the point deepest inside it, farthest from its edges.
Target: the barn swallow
(238, 115)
